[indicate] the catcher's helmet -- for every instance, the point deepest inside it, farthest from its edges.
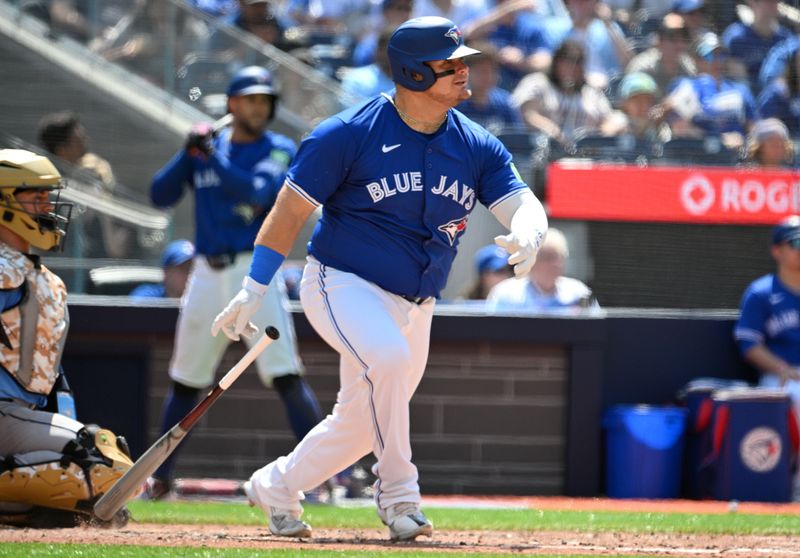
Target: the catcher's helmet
(421, 40)
(254, 80)
(20, 169)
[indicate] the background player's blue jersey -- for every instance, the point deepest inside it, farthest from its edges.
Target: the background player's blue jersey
(234, 189)
(770, 316)
(395, 201)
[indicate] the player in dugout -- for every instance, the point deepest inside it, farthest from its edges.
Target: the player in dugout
(52, 467)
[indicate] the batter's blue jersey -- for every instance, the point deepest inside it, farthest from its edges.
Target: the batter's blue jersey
(770, 316)
(234, 189)
(395, 202)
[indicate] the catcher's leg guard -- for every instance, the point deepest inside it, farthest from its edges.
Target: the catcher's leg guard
(71, 481)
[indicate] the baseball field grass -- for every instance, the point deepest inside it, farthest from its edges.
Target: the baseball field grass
(467, 519)
(521, 521)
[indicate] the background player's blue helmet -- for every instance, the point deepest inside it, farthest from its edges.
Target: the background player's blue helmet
(254, 80)
(787, 230)
(421, 40)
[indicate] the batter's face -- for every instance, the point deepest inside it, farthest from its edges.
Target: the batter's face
(251, 112)
(450, 90)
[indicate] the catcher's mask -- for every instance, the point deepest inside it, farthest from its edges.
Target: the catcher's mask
(42, 223)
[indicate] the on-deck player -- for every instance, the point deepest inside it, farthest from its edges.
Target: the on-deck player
(235, 177)
(397, 178)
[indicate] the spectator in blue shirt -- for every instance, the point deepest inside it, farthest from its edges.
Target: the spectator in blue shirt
(781, 98)
(751, 43)
(489, 105)
(694, 14)
(518, 37)
(393, 13)
(607, 50)
(368, 81)
(776, 60)
(726, 107)
(176, 261)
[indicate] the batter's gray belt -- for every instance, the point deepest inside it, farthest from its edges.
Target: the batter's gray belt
(221, 261)
(416, 299)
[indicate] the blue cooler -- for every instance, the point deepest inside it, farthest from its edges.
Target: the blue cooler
(754, 445)
(644, 450)
(696, 397)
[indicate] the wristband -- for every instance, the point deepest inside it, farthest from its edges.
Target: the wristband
(265, 264)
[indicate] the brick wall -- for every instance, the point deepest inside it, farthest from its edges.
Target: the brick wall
(485, 419)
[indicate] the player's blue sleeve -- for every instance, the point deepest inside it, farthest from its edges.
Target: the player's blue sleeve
(771, 104)
(168, 183)
(323, 161)
(258, 186)
(533, 38)
(499, 177)
(750, 107)
(731, 36)
(749, 330)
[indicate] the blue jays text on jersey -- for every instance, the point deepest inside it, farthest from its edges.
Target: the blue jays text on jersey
(770, 316)
(234, 188)
(396, 201)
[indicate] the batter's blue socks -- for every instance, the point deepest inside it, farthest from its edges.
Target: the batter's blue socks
(180, 400)
(302, 407)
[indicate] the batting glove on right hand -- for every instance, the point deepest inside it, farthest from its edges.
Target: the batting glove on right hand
(234, 320)
(522, 250)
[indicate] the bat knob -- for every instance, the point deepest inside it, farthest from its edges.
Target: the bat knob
(272, 332)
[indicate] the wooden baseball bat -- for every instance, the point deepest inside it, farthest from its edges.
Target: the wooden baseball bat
(127, 485)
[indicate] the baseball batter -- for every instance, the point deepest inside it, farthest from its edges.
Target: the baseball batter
(52, 467)
(397, 178)
(235, 177)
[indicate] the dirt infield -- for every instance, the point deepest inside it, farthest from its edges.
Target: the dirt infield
(459, 542)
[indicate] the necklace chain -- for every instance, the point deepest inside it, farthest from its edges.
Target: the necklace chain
(427, 126)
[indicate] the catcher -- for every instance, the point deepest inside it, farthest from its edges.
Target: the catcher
(52, 467)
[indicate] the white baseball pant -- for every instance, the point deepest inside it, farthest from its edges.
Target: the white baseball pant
(196, 354)
(382, 340)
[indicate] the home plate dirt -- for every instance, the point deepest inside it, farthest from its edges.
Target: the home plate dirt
(530, 542)
(459, 542)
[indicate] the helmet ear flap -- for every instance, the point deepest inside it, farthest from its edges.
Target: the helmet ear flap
(408, 72)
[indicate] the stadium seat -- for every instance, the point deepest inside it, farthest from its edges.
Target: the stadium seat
(702, 151)
(624, 148)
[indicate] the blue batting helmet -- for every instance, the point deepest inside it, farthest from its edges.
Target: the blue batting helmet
(421, 40)
(254, 80)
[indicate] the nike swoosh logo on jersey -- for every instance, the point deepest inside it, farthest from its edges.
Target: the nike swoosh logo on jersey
(387, 148)
(775, 298)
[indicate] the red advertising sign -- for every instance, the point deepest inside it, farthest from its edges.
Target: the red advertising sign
(586, 190)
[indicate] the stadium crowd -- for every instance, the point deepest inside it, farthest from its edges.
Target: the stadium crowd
(567, 69)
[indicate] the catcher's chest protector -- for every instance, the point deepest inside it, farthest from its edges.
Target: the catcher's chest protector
(35, 330)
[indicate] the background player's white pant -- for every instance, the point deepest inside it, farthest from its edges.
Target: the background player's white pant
(383, 342)
(197, 354)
